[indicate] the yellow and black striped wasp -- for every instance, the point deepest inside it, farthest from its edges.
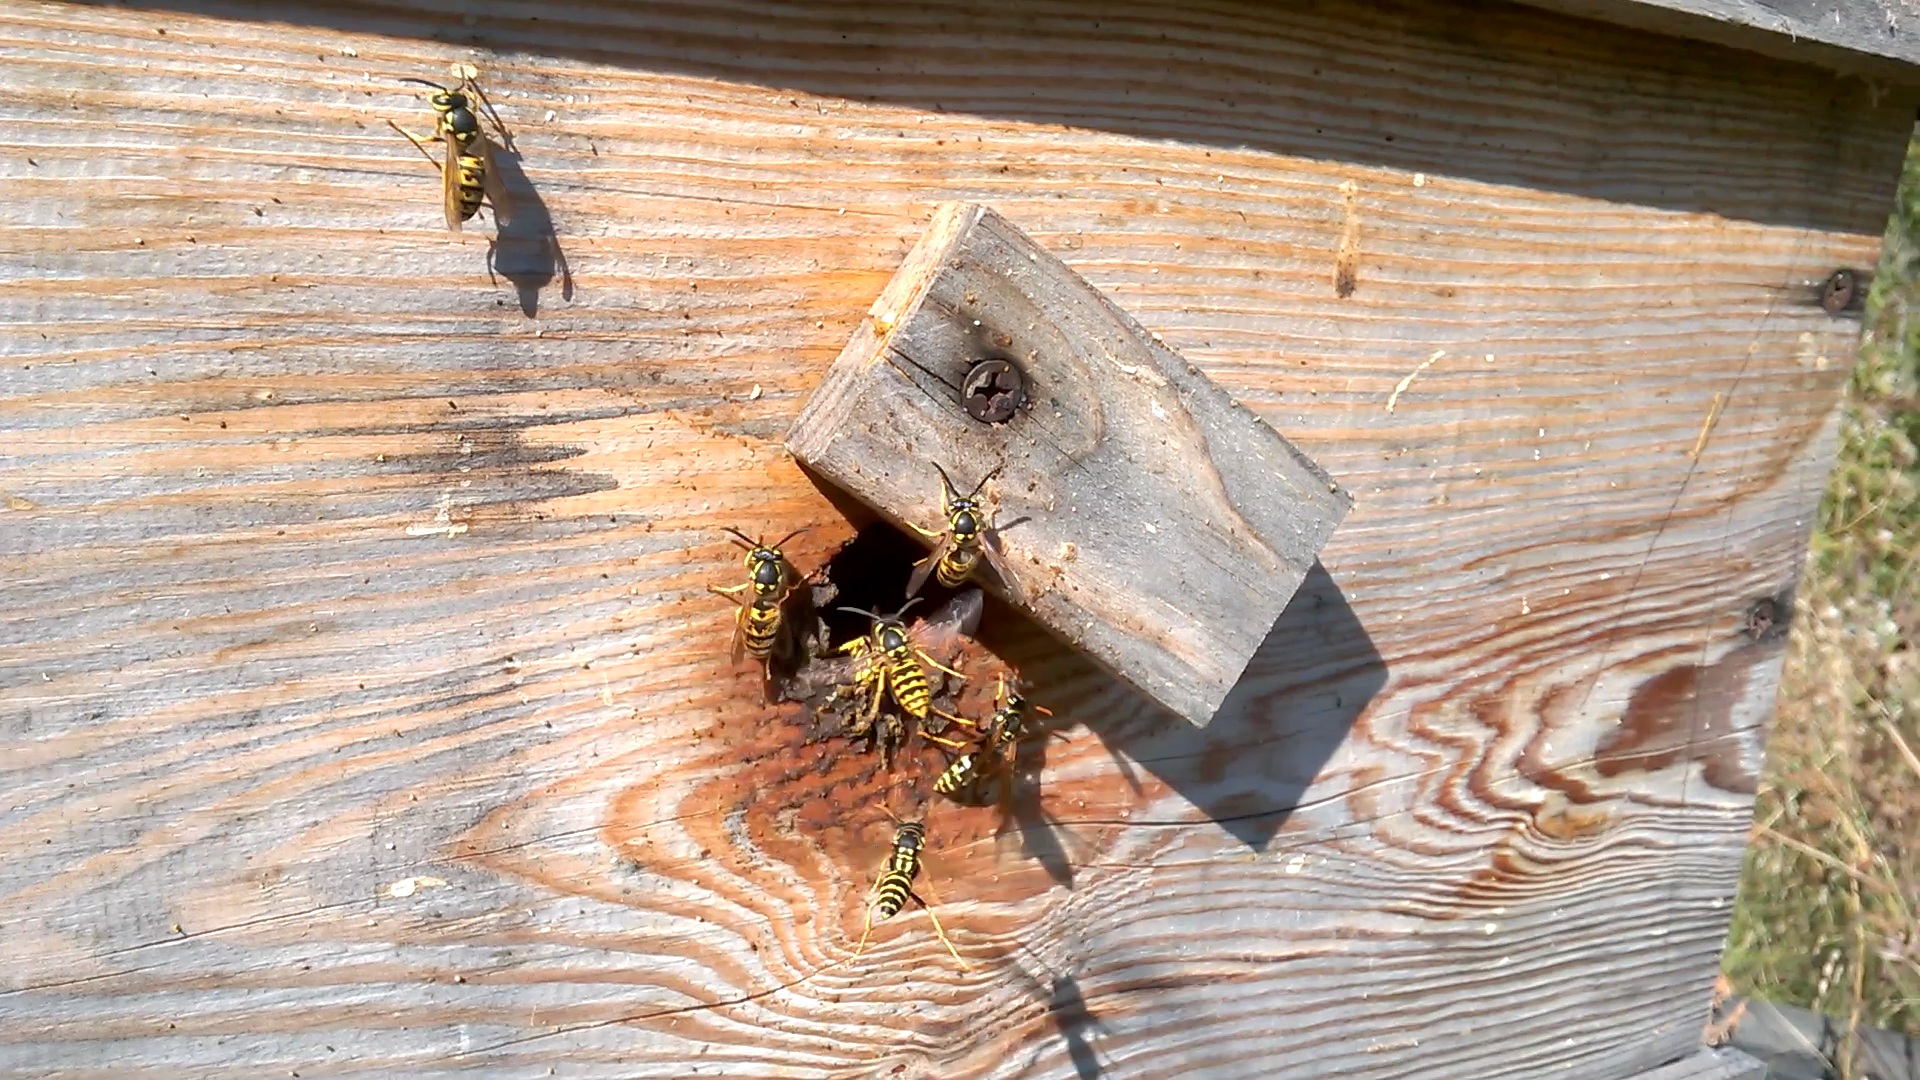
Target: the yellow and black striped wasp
(1003, 733)
(759, 627)
(467, 176)
(968, 537)
(895, 884)
(891, 662)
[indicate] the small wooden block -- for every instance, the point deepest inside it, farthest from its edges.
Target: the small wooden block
(1150, 520)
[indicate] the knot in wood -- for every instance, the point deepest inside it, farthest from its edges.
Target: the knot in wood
(993, 391)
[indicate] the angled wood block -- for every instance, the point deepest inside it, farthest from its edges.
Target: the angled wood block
(1148, 519)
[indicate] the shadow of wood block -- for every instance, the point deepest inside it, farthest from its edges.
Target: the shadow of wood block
(1144, 516)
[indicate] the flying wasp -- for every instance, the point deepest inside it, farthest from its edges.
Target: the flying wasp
(758, 626)
(1005, 730)
(892, 662)
(968, 536)
(467, 176)
(895, 884)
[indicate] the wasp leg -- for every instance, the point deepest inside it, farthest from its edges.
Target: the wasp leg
(879, 695)
(926, 532)
(506, 139)
(939, 930)
(867, 929)
(418, 144)
(731, 592)
(950, 718)
(931, 662)
(941, 741)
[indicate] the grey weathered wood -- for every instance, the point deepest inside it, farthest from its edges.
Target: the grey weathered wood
(1723, 1063)
(1877, 37)
(1148, 519)
(1799, 1044)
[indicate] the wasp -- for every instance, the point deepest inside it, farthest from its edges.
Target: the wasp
(895, 884)
(969, 535)
(889, 732)
(467, 176)
(758, 625)
(892, 662)
(1005, 730)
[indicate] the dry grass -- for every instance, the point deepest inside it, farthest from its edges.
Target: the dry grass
(1826, 914)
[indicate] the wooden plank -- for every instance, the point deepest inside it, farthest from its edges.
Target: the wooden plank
(329, 573)
(1147, 519)
(1877, 38)
(1799, 1044)
(1724, 1063)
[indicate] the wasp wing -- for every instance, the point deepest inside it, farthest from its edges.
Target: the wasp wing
(450, 177)
(989, 546)
(490, 182)
(739, 633)
(940, 633)
(925, 566)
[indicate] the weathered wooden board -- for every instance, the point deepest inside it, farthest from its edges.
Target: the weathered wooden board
(1877, 38)
(1724, 1063)
(328, 573)
(1146, 519)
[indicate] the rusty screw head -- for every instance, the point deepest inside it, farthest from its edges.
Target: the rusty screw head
(1838, 292)
(993, 391)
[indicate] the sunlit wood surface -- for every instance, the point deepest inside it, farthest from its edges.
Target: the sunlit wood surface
(363, 709)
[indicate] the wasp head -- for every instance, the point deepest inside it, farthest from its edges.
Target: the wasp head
(891, 636)
(768, 568)
(964, 520)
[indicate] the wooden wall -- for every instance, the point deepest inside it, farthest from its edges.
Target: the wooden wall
(363, 709)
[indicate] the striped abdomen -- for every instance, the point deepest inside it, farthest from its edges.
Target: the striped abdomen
(896, 884)
(956, 566)
(960, 775)
(760, 626)
(908, 681)
(471, 179)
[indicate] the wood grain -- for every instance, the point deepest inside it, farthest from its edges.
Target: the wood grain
(330, 575)
(1724, 1063)
(1146, 519)
(1867, 37)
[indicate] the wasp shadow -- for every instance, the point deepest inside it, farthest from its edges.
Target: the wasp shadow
(526, 249)
(1076, 1024)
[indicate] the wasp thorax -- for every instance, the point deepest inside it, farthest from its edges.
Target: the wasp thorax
(766, 569)
(965, 522)
(892, 637)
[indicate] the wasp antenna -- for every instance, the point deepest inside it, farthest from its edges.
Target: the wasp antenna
(424, 82)
(742, 537)
(791, 535)
(946, 483)
(903, 607)
(859, 611)
(995, 471)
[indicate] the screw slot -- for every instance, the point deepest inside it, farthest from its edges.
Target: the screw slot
(993, 391)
